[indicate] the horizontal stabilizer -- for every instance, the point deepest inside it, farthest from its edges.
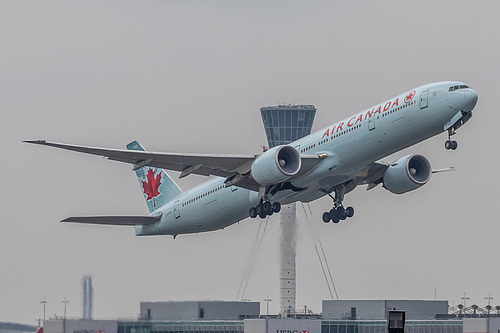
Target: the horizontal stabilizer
(114, 220)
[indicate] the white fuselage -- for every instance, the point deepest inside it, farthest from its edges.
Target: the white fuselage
(352, 144)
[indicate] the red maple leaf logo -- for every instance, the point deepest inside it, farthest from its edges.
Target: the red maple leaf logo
(410, 96)
(151, 185)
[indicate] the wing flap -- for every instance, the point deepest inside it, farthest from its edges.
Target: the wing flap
(114, 220)
(372, 173)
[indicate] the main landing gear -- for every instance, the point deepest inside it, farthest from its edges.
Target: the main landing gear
(338, 212)
(450, 144)
(264, 208)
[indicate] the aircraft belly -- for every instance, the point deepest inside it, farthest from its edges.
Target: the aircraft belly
(310, 196)
(236, 206)
(312, 193)
(229, 208)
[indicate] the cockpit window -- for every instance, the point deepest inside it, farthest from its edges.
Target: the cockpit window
(463, 86)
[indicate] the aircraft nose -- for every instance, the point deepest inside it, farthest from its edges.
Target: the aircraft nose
(470, 96)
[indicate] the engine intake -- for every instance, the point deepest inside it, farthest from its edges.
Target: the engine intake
(276, 165)
(407, 174)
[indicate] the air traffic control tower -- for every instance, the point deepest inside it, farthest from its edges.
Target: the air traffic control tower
(284, 124)
(287, 123)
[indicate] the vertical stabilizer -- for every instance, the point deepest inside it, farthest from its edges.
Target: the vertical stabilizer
(158, 188)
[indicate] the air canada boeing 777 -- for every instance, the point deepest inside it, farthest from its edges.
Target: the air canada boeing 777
(332, 161)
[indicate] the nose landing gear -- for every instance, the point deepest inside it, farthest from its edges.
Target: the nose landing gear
(338, 212)
(450, 144)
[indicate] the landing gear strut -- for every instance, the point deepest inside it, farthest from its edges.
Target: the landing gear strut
(450, 144)
(338, 212)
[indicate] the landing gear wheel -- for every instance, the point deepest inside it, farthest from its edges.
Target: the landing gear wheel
(333, 215)
(262, 215)
(259, 209)
(447, 144)
(340, 211)
(267, 207)
(349, 212)
(326, 217)
(276, 207)
(252, 212)
(335, 220)
(454, 145)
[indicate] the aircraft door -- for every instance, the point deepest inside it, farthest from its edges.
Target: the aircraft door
(371, 123)
(176, 209)
(423, 99)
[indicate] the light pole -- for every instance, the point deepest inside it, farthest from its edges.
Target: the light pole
(65, 302)
(465, 298)
(64, 318)
(44, 302)
(489, 298)
(488, 307)
(267, 300)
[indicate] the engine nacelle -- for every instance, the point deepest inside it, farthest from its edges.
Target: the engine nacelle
(407, 174)
(276, 165)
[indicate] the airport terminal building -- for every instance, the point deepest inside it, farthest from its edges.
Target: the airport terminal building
(244, 317)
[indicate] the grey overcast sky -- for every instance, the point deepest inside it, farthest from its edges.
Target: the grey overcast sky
(190, 76)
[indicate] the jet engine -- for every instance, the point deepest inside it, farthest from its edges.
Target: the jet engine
(407, 174)
(276, 165)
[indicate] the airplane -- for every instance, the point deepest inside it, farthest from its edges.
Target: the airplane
(332, 161)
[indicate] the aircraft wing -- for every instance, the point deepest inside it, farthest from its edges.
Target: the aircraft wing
(200, 164)
(373, 174)
(114, 220)
(236, 168)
